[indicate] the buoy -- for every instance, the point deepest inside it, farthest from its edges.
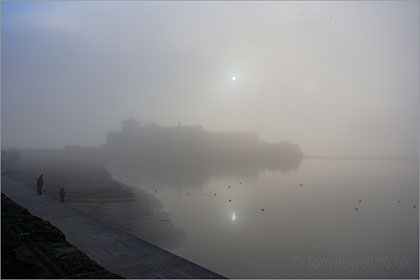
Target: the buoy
(414, 206)
(230, 200)
(214, 193)
(301, 185)
(356, 209)
(360, 201)
(262, 209)
(398, 201)
(228, 186)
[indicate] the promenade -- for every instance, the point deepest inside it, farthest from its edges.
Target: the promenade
(115, 250)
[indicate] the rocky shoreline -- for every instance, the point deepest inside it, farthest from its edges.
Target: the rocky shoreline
(33, 248)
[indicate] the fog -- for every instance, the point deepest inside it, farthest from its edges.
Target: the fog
(336, 78)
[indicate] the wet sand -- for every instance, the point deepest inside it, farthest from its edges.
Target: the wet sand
(91, 189)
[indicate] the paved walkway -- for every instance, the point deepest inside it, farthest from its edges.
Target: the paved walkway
(117, 251)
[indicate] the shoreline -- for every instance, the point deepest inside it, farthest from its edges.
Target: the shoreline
(116, 250)
(91, 189)
(34, 248)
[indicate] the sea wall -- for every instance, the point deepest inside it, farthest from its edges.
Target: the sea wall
(33, 248)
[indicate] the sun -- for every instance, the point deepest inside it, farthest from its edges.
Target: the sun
(233, 78)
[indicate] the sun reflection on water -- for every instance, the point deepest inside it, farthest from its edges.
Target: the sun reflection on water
(233, 218)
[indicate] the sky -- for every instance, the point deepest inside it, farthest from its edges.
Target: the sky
(336, 78)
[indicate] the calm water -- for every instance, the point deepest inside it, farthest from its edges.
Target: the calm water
(312, 230)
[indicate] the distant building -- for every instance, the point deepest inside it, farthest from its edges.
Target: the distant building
(159, 145)
(130, 126)
(133, 133)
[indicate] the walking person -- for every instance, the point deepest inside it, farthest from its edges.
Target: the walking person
(39, 184)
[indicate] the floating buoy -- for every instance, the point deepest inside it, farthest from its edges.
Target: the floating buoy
(414, 206)
(240, 183)
(230, 200)
(188, 193)
(357, 209)
(155, 191)
(228, 186)
(398, 201)
(360, 201)
(214, 193)
(262, 209)
(301, 185)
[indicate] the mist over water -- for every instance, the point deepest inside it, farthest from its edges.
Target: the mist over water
(305, 231)
(335, 78)
(257, 139)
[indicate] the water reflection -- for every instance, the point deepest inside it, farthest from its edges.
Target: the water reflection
(184, 175)
(272, 217)
(233, 218)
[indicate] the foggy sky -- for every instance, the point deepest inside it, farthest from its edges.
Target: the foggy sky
(333, 77)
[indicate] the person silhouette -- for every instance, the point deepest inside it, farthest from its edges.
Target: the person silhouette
(62, 193)
(39, 184)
